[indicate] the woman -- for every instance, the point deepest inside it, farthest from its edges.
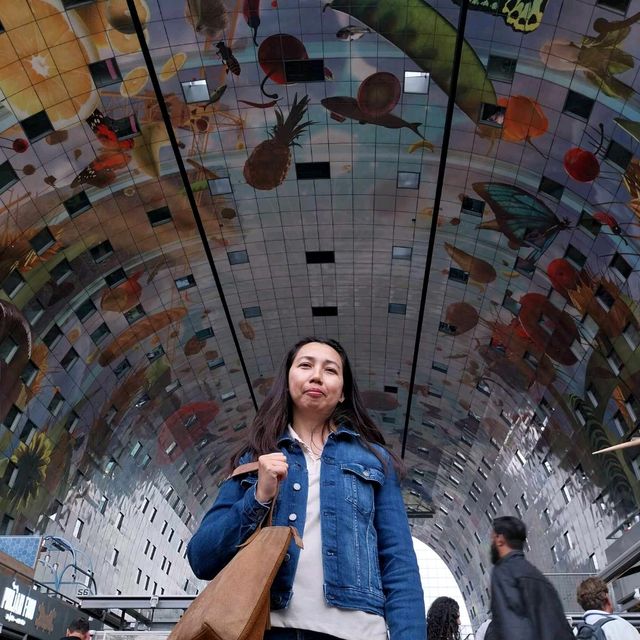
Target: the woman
(443, 619)
(320, 453)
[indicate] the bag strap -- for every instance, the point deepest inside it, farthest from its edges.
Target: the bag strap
(243, 469)
(251, 467)
(600, 623)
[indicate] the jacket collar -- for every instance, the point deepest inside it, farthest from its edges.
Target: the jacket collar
(342, 430)
(512, 554)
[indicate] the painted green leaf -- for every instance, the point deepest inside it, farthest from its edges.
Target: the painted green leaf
(429, 40)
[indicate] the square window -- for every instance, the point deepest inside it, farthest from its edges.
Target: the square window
(617, 5)
(12, 418)
(195, 91)
(320, 257)
(28, 432)
(492, 114)
(408, 180)
(416, 82)
(122, 368)
(402, 253)
(8, 349)
(304, 70)
(472, 206)
(397, 308)
(101, 252)
(159, 216)
(501, 68)
(632, 335)
(220, 186)
(77, 529)
(13, 283)
(252, 312)
(134, 314)
(8, 177)
(42, 241)
(105, 72)
(170, 388)
(458, 275)
(578, 105)
(439, 366)
(115, 277)
(237, 257)
(61, 271)
(102, 506)
(604, 297)
(185, 283)
(37, 126)
(589, 223)
(621, 265)
(313, 170)
(85, 310)
(618, 155)
(69, 359)
(575, 256)
(33, 311)
(56, 403)
(156, 353)
(29, 373)
(75, 205)
(615, 362)
(204, 334)
(52, 336)
(72, 422)
(10, 477)
(216, 363)
(228, 395)
(99, 334)
(552, 188)
(449, 329)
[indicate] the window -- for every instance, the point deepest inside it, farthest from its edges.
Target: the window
(61, 271)
(237, 257)
(492, 114)
(621, 266)
(85, 310)
(119, 520)
(309, 70)
(52, 336)
(105, 72)
(69, 359)
(566, 493)
(154, 513)
(114, 557)
(37, 126)
(552, 188)
(77, 529)
(408, 180)
(220, 186)
(547, 466)
(185, 282)
(578, 105)
(8, 177)
(402, 253)
(554, 554)
(397, 308)
(472, 206)
(99, 334)
(416, 82)
(615, 362)
(110, 466)
(195, 91)
(575, 256)
(589, 223)
(134, 314)
(458, 275)
(449, 329)
(42, 241)
(618, 155)
(29, 373)
(604, 297)
(12, 418)
(594, 562)
(102, 507)
(138, 576)
(122, 368)
(313, 170)
(8, 349)
(568, 540)
(6, 526)
(114, 278)
(521, 457)
(101, 251)
(525, 502)
(153, 552)
(501, 69)
(322, 312)
(75, 205)
(159, 216)
(204, 334)
(632, 336)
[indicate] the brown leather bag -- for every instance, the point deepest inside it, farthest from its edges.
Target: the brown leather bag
(235, 605)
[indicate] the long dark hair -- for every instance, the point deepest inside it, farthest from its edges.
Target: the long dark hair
(442, 619)
(276, 411)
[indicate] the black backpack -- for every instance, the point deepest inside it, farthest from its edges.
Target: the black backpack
(592, 631)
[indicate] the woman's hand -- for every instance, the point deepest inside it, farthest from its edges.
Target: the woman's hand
(271, 470)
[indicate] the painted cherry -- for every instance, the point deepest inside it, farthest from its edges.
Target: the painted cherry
(581, 165)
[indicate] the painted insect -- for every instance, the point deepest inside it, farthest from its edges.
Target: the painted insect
(520, 15)
(522, 218)
(229, 60)
(101, 171)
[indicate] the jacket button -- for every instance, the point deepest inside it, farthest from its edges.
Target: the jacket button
(287, 557)
(292, 517)
(366, 474)
(297, 486)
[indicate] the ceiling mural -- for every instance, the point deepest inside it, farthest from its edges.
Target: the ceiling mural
(326, 165)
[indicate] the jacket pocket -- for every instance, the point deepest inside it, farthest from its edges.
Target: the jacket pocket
(360, 482)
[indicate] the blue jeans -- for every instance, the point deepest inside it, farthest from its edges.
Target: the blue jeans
(280, 633)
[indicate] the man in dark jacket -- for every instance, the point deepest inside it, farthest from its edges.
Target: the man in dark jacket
(524, 604)
(78, 630)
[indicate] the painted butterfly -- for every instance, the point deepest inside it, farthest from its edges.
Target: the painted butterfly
(520, 15)
(101, 171)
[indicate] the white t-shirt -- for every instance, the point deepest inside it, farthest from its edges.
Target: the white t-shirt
(308, 608)
(617, 629)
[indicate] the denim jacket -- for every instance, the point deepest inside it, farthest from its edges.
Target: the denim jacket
(368, 558)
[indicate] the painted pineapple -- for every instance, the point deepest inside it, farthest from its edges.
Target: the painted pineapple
(268, 165)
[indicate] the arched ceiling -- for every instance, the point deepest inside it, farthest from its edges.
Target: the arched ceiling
(453, 193)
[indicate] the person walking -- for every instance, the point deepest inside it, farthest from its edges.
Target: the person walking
(524, 604)
(323, 461)
(593, 597)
